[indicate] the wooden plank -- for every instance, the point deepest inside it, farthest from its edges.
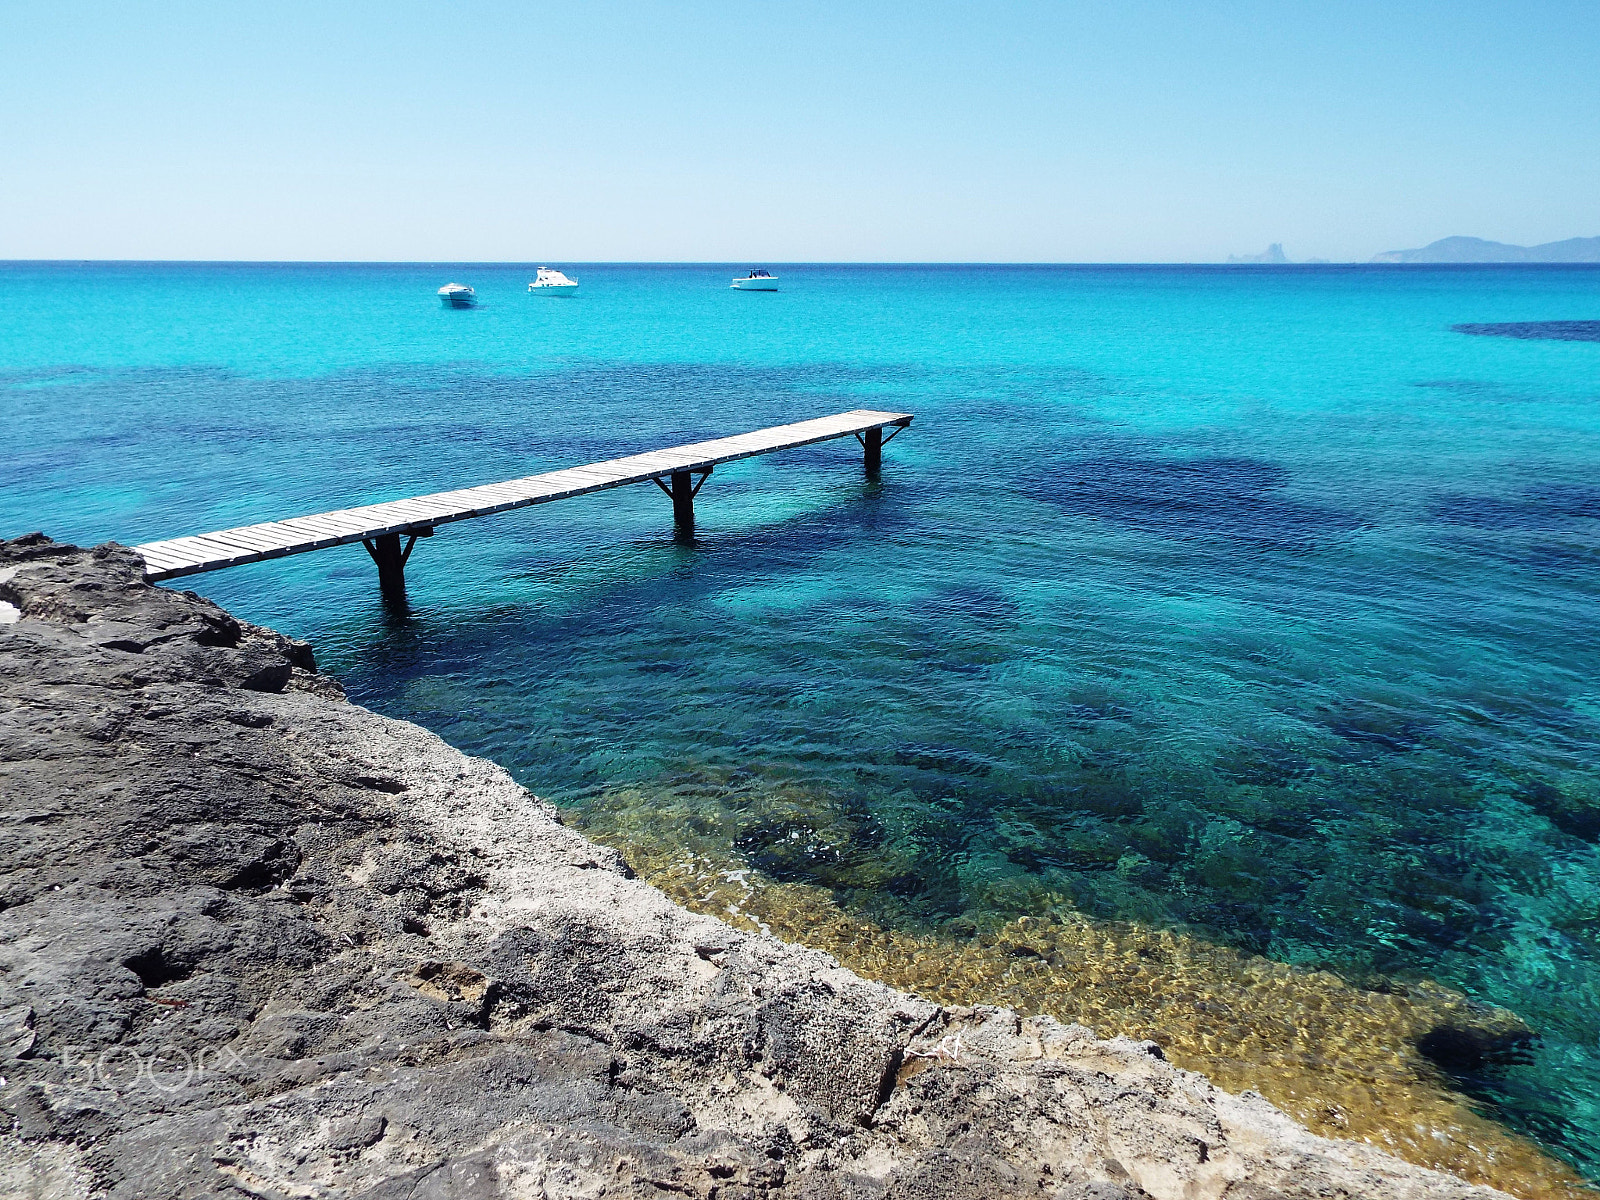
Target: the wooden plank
(450, 501)
(245, 536)
(219, 545)
(372, 517)
(167, 548)
(235, 537)
(163, 561)
(275, 530)
(594, 479)
(376, 516)
(494, 493)
(407, 510)
(418, 512)
(328, 525)
(560, 483)
(484, 497)
(351, 518)
(192, 551)
(319, 526)
(400, 510)
(521, 486)
(212, 556)
(650, 465)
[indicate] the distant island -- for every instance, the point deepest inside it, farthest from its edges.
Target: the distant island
(1477, 250)
(1453, 250)
(1272, 256)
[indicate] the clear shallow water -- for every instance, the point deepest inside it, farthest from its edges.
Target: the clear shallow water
(1255, 602)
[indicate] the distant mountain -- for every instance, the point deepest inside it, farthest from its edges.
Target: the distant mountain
(1476, 250)
(1272, 256)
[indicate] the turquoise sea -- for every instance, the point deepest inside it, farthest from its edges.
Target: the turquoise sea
(1255, 602)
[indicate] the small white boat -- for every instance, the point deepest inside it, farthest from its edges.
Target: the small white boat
(757, 281)
(457, 295)
(553, 283)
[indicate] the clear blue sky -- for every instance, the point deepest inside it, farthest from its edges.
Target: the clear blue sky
(774, 131)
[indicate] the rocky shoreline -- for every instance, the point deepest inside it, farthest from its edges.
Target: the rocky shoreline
(258, 941)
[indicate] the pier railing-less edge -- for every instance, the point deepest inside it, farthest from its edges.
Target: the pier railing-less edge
(679, 471)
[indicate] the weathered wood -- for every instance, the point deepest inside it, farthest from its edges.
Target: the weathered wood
(171, 558)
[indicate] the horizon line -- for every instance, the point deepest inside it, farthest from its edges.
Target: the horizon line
(730, 262)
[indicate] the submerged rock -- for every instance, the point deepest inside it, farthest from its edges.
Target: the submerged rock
(255, 940)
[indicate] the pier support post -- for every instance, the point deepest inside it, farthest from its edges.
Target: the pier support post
(683, 490)
(386, 552)
(682, 501)
(872, 445)
(390, 556)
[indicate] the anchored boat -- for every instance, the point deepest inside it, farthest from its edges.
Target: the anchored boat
(757, 281)
(553, 283)
(457, 295)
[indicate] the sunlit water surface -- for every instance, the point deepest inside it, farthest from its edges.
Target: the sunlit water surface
(1253, 605)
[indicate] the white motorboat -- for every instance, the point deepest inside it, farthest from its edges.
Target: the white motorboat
(457, 295)
(757, 281)
(553, 283)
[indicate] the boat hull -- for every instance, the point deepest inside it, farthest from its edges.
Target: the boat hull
(552, 289)
(458, 301)
(755, 285)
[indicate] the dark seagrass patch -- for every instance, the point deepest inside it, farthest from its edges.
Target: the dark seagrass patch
(1554, 331)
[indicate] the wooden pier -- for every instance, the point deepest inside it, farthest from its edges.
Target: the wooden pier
(679, 471)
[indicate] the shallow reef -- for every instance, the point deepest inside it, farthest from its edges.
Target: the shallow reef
(1372, 1063)
(1558, 331)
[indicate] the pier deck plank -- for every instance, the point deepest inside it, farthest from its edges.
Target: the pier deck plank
(170, 558)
